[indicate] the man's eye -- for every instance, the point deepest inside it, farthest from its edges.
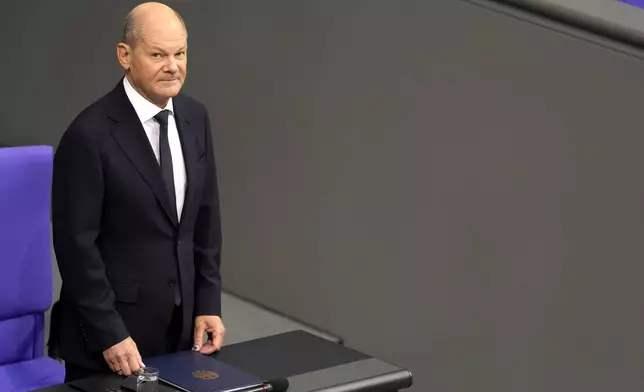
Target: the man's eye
(180, 54)
(157, 55)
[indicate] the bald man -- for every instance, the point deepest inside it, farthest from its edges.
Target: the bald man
(135, 213)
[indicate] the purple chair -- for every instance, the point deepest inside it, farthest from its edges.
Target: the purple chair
(25, 269)
(637, 3)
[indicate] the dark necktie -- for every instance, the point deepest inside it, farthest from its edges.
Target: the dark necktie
(165, 158)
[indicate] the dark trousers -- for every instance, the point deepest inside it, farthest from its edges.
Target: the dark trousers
(75, 372)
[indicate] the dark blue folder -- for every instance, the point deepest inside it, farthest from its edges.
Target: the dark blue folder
(194, 372)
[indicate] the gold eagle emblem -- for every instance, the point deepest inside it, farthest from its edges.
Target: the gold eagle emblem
(205, 374)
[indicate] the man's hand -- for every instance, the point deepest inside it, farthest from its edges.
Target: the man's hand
(124, 358)
(214, 326)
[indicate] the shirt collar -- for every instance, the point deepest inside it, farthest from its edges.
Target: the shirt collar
(145, 109)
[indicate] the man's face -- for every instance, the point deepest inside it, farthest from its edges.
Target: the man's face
(157, 63)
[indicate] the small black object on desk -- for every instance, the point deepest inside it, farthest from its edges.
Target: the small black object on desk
(275, 385)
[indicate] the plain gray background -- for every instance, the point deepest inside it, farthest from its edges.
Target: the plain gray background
(448, 185)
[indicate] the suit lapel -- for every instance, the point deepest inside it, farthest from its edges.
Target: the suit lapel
(128, 132)
(189, 148)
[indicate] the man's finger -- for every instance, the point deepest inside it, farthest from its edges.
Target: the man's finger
(109, 361)
(133, 363)
(140, 360)
(207, 348)
(214, 344)
(218, 341)
(198, 337)
(112, 364)
(125, 367)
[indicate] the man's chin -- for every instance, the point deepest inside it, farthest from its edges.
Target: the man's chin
(169, 92)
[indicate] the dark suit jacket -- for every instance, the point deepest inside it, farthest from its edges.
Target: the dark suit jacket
(120, 252)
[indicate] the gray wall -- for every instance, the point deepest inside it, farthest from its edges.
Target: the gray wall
(447, 185)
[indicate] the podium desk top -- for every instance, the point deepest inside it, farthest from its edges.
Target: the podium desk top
(309, 362)
(287, 354)
(312, 363)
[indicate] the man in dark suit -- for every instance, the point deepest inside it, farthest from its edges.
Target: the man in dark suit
(135, 213)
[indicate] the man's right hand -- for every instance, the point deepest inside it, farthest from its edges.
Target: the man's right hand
(124, 358)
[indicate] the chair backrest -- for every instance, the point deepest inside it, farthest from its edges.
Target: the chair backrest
(25, 250)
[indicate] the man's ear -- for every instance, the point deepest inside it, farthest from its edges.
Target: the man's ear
(124, 55)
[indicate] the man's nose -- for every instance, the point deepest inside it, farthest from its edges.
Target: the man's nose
(171, 64)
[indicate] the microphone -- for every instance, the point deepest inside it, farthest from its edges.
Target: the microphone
(279, 384)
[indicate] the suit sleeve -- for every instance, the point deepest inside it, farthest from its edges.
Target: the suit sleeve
(208, 239)
(77, 198)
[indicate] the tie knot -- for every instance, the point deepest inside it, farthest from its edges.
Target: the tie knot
(162, 117)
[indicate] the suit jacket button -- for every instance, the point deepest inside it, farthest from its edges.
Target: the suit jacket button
(171, 283)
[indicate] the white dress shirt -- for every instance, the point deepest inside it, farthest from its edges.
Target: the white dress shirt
(146, 111)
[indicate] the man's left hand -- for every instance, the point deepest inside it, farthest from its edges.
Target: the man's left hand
(214, 327)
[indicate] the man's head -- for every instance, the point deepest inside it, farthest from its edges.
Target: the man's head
(153, 51)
